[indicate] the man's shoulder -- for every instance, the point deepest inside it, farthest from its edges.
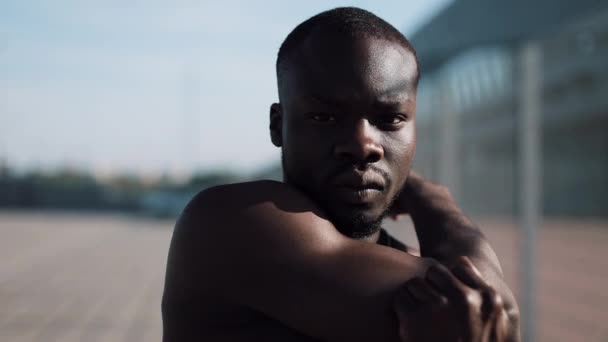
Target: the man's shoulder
(207, 230)
(244, 212)
(218, 206)
(237, 196)
(228, 228)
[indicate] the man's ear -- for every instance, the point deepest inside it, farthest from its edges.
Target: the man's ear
(276, 124)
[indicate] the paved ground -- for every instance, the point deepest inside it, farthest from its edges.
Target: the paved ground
(66, 277)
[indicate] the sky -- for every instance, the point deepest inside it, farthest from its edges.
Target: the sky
(152, 86)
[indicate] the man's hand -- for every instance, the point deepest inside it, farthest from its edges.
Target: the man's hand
(450, 306)
(445, 233)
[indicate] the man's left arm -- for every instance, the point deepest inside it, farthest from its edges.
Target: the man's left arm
(446, 234)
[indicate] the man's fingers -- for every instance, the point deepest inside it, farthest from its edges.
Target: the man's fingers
(500, 327)
(446, 283)
(503, 326)
(492, 302)
(424, 293)
(490, 329)
(404, 301)
(469, 274)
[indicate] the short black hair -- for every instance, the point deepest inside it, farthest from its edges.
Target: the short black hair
(349, 21)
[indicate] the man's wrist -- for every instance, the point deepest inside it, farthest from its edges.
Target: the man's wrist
(443, 230)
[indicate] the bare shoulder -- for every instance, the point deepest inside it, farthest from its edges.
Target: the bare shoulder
(233, 198)
(223, 224)
(245, 208)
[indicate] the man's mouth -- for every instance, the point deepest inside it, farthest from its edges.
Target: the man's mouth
(355, 189)
(362, 187)
(358, 195)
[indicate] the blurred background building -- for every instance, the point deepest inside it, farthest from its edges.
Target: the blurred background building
(468, 102)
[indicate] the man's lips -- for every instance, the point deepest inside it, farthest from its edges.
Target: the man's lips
(359, 180)
(362, 186)
(357, 196)
(358, 188)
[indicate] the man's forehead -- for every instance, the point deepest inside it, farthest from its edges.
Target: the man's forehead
(333, 65)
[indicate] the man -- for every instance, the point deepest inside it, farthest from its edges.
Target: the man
(307, 259)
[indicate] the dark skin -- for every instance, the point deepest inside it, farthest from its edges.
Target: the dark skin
(340, 124)
(469, 304)
(295, 261)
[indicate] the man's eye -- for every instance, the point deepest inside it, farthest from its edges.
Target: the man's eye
(393, 119)
(323, 117)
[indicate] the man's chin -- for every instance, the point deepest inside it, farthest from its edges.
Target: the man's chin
(357, 224)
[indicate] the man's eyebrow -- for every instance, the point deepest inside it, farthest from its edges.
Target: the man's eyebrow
(394, 96)
(323, 100)
(393, 100)
(399, 87)
(387, 104)
(397, 93)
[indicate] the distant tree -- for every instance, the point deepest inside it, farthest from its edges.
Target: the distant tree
(205, 180)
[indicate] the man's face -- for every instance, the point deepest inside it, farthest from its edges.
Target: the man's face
(346, 126)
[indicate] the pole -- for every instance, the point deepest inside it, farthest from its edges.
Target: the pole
(530, 101)
(449, 142)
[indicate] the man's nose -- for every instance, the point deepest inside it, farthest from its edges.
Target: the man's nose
(359, 143)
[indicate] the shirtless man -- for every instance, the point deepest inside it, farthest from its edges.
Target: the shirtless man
(306, 259)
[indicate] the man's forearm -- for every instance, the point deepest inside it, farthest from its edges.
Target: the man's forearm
(443, 230)
(445, 233)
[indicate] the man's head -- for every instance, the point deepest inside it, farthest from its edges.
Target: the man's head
(345, 122)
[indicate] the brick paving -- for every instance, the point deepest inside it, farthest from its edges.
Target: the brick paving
(81, 278)
(92, 277)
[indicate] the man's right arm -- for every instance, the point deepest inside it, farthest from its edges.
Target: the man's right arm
(265, 246)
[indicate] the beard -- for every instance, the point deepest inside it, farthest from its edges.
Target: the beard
(353, 222)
